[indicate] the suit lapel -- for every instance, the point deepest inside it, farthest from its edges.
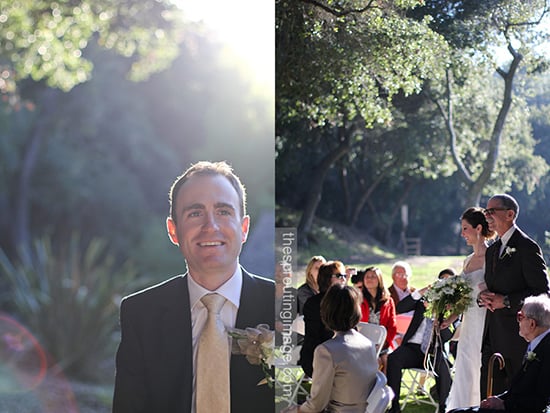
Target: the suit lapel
(255, 307)
(248, 305)
(176, 354)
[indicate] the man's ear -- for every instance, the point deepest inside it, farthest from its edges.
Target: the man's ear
(171, 228)
(245, 226)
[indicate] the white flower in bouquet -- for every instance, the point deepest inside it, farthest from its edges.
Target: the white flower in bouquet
(448, 296)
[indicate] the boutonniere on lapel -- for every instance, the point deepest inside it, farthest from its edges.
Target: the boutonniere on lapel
(508, 251)
(257, 345)
(530, 357)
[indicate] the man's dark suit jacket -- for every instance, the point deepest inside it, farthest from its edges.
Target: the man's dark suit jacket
(529, 390)
(409, 303)
(409, 354)
(518, 275)
(395, 296)
(154, 362)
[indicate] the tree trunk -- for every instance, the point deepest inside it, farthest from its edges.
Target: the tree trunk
(475, 185)
(21, 233)
(366, 195)
(316, 189)
(396, 209)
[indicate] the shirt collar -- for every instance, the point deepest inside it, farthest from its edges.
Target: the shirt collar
(402, 292)
(231, 289)
(535, 342)
(507, 235)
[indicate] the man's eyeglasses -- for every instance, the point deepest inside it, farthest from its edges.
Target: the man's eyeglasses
(341, 276)
(520, 316)
(491, 211)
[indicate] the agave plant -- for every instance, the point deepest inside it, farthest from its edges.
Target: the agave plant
(68, 298)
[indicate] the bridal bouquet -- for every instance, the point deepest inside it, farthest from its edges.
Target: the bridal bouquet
(257, 345)
(448, 296)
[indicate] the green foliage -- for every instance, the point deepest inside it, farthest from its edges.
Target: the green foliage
(46, 40)
(336, 62)
(68, 298)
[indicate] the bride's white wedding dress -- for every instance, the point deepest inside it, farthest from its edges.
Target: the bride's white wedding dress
(465, 390)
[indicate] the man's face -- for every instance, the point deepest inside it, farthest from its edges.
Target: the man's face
(526, 325)
(400, 278)
(498, 218)
(208, 228)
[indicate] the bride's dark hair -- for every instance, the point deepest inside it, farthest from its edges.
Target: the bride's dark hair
(475, 216)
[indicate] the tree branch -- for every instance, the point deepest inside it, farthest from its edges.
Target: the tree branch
(342, 12)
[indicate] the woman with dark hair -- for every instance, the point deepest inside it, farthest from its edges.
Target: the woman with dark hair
(310, 287)
(344, 368)
(465, 389)
(378, 308)
(330, 273)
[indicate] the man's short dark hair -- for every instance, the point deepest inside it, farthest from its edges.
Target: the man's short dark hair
(341, 307)
(208, 168)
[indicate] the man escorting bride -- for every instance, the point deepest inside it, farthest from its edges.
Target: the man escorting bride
(465, 388)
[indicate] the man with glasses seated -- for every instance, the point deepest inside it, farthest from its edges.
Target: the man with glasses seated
(514, 270)
(529, 391)
(331, 272)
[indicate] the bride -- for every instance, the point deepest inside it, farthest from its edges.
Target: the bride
(465, 390)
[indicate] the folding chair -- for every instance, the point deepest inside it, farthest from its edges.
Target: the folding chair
(291, 379)
(374, 332)
(380, 396)
(416, 393)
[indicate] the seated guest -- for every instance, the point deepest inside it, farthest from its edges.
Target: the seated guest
(331, 272)
(344, 368)
(378, 308)
(529, 390)
(401, 273)
(413, 348)
(310, 287)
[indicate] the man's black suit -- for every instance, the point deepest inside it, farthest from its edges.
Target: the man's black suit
(154, 363)
(529, 389)
(518, 274)
(409, 355)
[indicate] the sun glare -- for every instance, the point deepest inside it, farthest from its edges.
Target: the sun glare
(246, 26)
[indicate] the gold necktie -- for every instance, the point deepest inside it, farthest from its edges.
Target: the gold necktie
(213, 360)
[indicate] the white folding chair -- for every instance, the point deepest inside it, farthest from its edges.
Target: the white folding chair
(416, 393)
(380, 396)
(291, 379)
(375, 333)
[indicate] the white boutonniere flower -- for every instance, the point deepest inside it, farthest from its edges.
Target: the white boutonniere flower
(257, 345)
(508, 251)
(530, 357)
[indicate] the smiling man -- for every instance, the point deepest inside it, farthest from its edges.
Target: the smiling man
(529, 391)
(167, 360)
(514, 269)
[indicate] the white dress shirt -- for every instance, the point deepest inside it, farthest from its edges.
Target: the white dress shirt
(533, 344)
(231, 290)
